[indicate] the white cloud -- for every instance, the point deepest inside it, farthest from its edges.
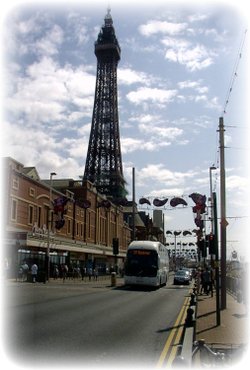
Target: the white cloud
(157, 173)
(170, 133)
(152, 27)
(127, 76)
(48, 45)
(130, 145)
(47, 90)
(154, 95)
(238, 183)
(195, 58)
(196, 85)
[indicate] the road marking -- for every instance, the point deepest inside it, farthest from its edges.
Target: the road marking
(172, 355)
(172, 334)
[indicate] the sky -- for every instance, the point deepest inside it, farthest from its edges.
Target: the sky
(182, 67)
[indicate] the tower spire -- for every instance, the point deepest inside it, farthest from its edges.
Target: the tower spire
(104, 162)
(108, 19)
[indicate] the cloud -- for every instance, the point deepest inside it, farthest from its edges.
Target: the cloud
(127, 76)
(40, 147)
(153, 95)
(170, 133)
(196, 85)
(193, 58)
(157, 173)
(48, 92)
(154, 26)
(77, 27)
(130, 145)
(238, 183)
(48, 45)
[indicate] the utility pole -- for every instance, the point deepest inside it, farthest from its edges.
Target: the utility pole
(47, 258)
(217, 282)
(133, 196)
(223, 224)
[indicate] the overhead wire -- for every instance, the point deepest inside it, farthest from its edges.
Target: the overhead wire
(227, 99)
(234, 73)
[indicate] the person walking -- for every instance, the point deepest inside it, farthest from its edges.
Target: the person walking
(96, 273)
(206, 279)
(34, 270)
(25, 270)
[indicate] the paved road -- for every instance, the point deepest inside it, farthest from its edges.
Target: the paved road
(90, 324)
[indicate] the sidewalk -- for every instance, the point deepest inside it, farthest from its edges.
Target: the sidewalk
(233, 330)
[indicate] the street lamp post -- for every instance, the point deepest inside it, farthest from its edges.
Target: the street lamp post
(211, 197)
(49, 227)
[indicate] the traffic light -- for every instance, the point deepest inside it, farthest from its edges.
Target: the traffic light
(115, 246)
(211, 244)
(202, 247)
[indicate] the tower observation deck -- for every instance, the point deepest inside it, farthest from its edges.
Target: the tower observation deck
(104, 161)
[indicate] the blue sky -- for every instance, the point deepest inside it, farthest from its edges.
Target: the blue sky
(173, 78)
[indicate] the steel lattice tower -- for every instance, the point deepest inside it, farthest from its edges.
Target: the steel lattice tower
(104, 162)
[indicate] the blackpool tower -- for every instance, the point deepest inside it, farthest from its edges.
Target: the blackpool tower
(104, 161)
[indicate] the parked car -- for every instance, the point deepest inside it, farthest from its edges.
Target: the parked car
(182, 277)
(189, 272)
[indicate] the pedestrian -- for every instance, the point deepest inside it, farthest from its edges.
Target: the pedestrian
(89, 273)
(64, 271)
(34, 270)
(198, 280)
(206, 280)
(96, 273)
(25, 269)
(84, 273)
(56, 272)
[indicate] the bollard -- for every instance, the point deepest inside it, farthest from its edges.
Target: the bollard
(113, 279)
(189, 318)
(192, 300)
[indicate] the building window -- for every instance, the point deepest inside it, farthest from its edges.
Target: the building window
(68, 227)
(15, 183)
(31, 215)
(13, 210)
(39, 216)
(32, 192)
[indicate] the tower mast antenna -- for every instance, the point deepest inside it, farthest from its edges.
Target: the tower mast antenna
(104, 161)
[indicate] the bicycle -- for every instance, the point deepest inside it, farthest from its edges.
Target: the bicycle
(208, 356)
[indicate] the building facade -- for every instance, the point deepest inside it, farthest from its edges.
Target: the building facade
(90, 222)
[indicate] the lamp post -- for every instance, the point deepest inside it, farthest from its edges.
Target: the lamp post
(211, 197)
(49, 226)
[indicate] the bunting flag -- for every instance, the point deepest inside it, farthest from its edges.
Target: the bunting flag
(199, 208)
(59, 224)
(159, 203)
(59, 210)
(176, 201)
(199, 222)
(169, 232)
(144, 201)
(86, 203)
(104, 203)
(186, 232)
(176, 233)
(122, 202)
(198, 198)
(59, 204)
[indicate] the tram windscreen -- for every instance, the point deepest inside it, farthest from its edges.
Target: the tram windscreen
(141, 262)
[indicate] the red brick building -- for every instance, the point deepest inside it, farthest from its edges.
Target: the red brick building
(29, 222)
